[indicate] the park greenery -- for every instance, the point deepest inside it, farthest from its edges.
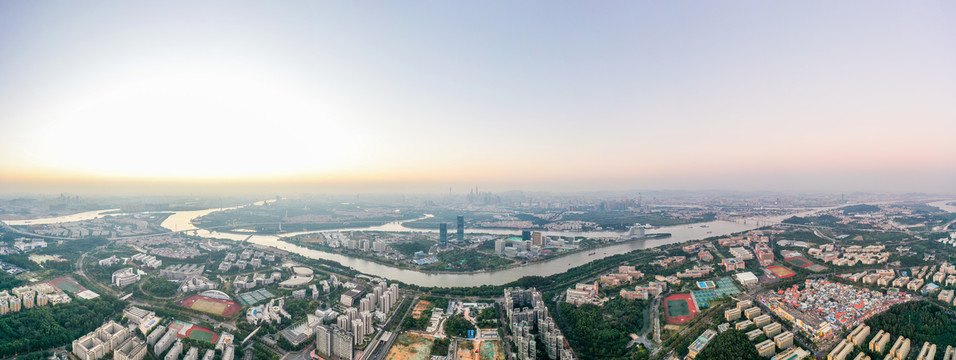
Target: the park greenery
(440, 347)
(8, 281)
(409, 248)
(919, 321)
(159, 287)
(467, 260)
(52, 326)
(729, 345)
(596, 332)
(488, 317)
(457, 325)
(622, 219)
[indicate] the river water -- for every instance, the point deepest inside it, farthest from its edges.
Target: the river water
(679, 234)
(89, 215)
(181, 221)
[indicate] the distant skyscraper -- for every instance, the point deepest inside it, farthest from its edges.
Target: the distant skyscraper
(537, 239)
(461, 228)
(442, 235)
(500, 246)
(525, 235)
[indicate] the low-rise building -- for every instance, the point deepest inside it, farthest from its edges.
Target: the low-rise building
(700, 343)
(879, 341)
(132, 349)
(772, 329)
(761, 320)
(732, 314)
(766, 348)
(841, 351)
(858, 335)
(783, 340)
(124, 277)
(754, 334)
(793, 353)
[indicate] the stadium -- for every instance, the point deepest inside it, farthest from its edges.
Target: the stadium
(210, 305)
(679, 309)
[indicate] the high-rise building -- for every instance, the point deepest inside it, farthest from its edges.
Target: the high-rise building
(500, 246)
(537, 239)
(323, 340)
(342, 343)
(442, 235)
(525, 235)
(461, 228)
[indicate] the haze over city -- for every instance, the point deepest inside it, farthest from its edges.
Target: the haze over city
(328, 97)
(477, 180)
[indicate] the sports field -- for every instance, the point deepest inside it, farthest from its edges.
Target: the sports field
(201, 334)
(725, 286)
(679, 308)
(210, 305)
(816, 268)
(67, 285)
(806, 264)
(781, 272)
(799, 261)
(706, 284)
(184, 329)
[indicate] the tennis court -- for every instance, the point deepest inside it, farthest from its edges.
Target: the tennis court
(816, 268)
(799, 261)
(806, 264)
(252, 297)
(706, 284)
(725, 286)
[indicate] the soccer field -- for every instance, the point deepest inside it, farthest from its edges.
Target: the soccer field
(201, 335)
(69, 287)
(677, 308)
(207, 306)
(781, 272)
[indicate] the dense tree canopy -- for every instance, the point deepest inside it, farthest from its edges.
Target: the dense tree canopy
(51, 326)
(457, 325)
(919, 321)
(729, 345)
(596, 332)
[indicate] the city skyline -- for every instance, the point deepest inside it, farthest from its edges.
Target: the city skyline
(423, 97)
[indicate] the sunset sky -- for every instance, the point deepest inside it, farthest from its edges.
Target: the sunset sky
(427, 95)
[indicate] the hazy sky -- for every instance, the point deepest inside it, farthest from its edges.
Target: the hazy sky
(775, 95)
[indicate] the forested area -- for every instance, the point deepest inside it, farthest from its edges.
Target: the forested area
(488, 317)
(8, 281)
(729, 345)
(467, 260)
(596, 332)
(409, 248)
(919, 321)
(51, 326)
(457, 325)
(622, 219)
(160, 287)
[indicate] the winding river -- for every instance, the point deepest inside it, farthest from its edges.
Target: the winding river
(181, 221)
(561, 264)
